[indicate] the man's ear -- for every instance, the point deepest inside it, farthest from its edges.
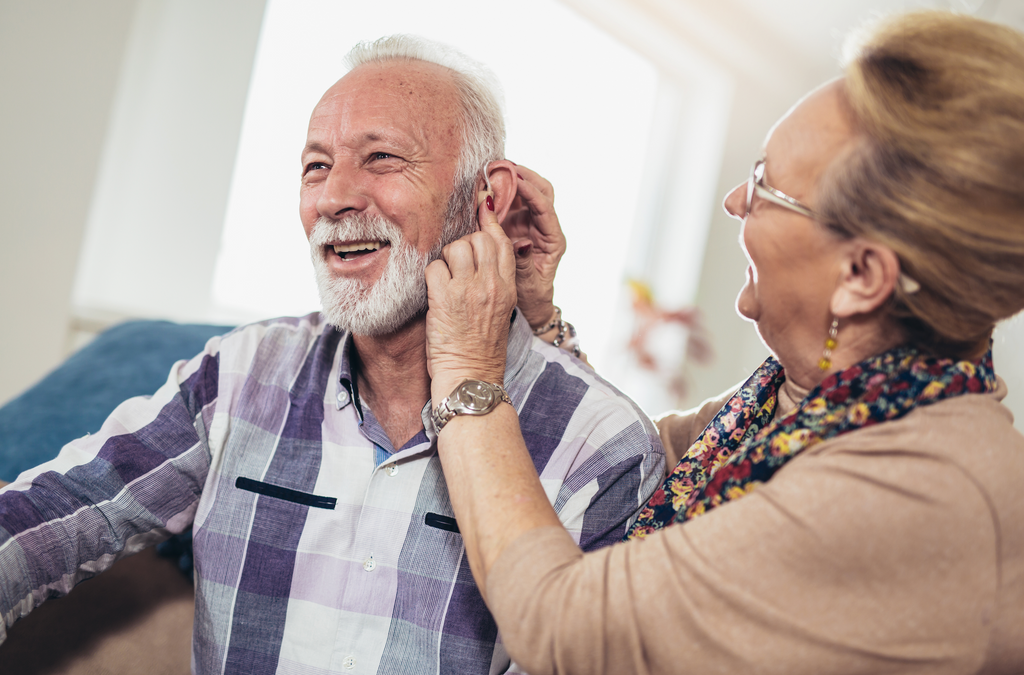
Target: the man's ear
(502, 174)
(870, 272)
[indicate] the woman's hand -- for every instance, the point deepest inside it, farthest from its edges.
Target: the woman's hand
(471, 292)
(491, 479)
(533, 226)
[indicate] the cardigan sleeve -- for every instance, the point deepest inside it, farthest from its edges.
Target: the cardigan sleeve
(859, 556)
(679, 429)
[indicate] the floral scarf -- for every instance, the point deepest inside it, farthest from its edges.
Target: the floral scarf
(743, 446)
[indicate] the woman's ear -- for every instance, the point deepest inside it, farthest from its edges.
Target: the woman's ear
(502, 175)
(869, 273)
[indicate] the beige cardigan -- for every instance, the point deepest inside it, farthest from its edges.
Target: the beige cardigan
(898, 548)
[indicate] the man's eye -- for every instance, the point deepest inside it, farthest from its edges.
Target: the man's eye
(315, 166)
(382, 155)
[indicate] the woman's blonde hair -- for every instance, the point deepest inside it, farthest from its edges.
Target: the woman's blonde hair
(939, 176)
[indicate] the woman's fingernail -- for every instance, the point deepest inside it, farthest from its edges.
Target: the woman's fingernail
(490, 203)
(520, 176)
(523, 248)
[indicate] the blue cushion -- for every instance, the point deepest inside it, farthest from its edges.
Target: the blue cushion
(130, 359)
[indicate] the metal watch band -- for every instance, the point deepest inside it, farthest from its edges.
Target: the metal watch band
(464, 400)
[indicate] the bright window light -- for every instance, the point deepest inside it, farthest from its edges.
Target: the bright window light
(579, 108)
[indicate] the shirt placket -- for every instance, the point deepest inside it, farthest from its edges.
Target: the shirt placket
(377, 544)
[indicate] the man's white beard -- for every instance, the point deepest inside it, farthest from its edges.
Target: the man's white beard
(401, 292)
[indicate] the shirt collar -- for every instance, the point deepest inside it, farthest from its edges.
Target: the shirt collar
(520, 341)
(520, 338)
(348, 389)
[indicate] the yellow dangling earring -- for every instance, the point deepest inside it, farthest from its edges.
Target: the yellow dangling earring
(830, 343)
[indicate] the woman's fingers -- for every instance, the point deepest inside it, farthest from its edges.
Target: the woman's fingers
(460, 258)
(491, 245)
(438, 273)
(536, 218)
(486, 216)
(471, 293)
(480, 251)
(542, 210)
(538, 180)
(539, 245)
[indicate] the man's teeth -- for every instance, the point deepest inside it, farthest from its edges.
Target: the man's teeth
(360, 246)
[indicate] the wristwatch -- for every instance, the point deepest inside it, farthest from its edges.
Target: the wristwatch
(472, 397)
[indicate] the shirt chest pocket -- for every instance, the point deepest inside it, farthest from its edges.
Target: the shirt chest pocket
(286, 494)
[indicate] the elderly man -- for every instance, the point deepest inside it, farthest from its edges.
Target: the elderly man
(304, 456)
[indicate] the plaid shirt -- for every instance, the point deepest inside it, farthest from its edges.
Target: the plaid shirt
(319, 548)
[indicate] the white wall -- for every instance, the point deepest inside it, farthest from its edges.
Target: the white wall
(155, 224)
(59, 65)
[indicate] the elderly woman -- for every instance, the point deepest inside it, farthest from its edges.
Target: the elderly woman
(857, 504)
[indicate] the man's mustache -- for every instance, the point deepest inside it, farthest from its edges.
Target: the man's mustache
(355, 227)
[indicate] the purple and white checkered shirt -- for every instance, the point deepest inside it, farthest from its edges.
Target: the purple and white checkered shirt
(319, 548)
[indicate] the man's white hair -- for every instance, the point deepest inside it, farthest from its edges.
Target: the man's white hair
(483, 120)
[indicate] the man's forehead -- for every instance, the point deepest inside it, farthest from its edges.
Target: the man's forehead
(382, 98)
(416, 86)
(415, 76)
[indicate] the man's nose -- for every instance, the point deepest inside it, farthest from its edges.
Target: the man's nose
(735, 203)
(342, 192)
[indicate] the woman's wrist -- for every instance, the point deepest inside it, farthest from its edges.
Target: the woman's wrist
(549, 324)
(538, 314)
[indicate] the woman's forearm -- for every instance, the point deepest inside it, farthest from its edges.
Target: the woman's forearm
(493, 485)
(471, 292)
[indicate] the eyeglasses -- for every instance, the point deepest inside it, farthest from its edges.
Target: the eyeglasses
(756, 184)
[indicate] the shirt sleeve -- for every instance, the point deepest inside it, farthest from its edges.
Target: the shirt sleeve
(853, 562)
(109, 494)
(618, 464)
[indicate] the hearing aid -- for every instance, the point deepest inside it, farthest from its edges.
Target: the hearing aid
(489, 192)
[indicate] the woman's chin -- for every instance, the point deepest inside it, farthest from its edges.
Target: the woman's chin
(746, 304)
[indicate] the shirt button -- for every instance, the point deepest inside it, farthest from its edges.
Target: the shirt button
(349, 663)
(370, 564)
(342, 397)
(392, 469)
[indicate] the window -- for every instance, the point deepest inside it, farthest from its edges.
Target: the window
(579, 109)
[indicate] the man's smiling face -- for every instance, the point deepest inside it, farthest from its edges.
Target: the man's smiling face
(381, 154)
(384, 140)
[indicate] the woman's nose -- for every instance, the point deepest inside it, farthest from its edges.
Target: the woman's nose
(735, 203)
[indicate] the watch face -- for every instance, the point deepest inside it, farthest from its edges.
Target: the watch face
(476, 395)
